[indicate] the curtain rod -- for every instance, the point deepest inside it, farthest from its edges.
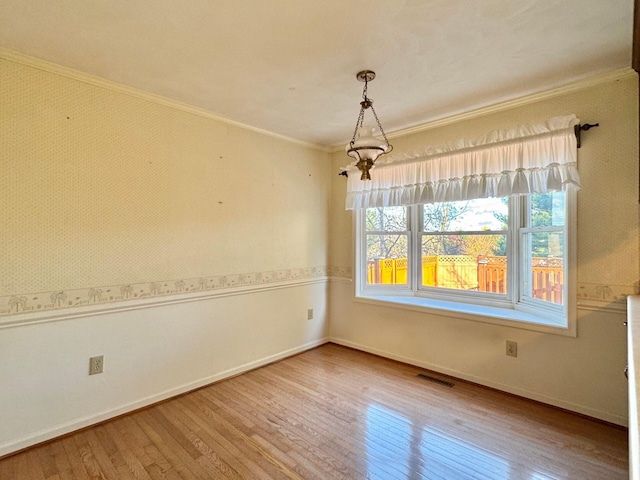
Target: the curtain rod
(577, 129)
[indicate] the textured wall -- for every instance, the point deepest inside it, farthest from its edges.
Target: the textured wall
(183, 249)
(583, 373)
(608, 235)
(107, 197)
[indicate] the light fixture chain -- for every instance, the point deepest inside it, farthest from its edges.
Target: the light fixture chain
(373, 110)
(358, 124)
(369, 148)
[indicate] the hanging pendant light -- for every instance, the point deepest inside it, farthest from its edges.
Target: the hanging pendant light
(364, 147)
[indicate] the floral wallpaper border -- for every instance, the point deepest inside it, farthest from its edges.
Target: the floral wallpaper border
(592, 292)
(590, 295)
(595, 293)
(606, 294)
(82, 297)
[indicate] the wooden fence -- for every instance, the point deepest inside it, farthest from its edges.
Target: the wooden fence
(465, 272)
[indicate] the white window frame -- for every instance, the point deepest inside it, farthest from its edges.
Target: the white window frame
(514, 309)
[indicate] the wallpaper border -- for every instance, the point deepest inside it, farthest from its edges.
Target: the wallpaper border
(70, 303)
(601, 296)
(36, 307)
(589, 296)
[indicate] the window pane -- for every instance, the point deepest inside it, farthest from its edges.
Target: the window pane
(465, 262)
(472, 215)
(547, 209)
(386, 219)
(545, 266)
(387, 259)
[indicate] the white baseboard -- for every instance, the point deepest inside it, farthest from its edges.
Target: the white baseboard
(581, 409)
(90, 420)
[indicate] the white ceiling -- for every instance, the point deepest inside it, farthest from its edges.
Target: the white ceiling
(288, 66)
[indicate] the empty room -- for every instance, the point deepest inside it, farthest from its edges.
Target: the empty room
(319, 240)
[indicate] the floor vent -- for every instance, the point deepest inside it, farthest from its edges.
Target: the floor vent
(436, 380)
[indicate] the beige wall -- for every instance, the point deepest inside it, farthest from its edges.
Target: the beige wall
(186, 249)
(584, 373)
(203, 244)
(105, 190)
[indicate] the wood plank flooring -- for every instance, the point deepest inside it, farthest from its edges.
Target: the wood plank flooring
(335, 413)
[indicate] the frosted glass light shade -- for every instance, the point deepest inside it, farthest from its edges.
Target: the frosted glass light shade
(366, 149)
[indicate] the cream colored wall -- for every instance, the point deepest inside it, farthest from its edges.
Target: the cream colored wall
(202, 243)
(583, 374)
(103, 189)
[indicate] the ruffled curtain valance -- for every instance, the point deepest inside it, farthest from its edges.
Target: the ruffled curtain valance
(527, 159)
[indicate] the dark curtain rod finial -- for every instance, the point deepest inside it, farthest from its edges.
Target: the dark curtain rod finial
(585, 127)
(344, 173)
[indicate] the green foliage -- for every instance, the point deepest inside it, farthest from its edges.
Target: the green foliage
(543, 206)
(388, 226)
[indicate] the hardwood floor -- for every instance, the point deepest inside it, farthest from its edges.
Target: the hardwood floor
(335, 413)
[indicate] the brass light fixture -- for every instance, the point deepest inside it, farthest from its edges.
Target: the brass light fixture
(364, 147)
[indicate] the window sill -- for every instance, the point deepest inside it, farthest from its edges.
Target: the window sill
(495, 315)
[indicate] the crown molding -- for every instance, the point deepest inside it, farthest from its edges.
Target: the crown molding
(606, 77)
(23, 59)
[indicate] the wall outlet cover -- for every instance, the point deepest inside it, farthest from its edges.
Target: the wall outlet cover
(96, 365)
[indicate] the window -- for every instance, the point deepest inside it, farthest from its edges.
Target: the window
(509, 253)
(476, 228)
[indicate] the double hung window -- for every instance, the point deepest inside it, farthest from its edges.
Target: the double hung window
(509, 253)
(485, 227)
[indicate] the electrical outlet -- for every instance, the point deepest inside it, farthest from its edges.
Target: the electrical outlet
(512, 348)
(96, 364)
(310, 314)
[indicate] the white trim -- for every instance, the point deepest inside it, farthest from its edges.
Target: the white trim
(505, 317)
(514, 310)
(21, 58)
(557, 402)
(23, 319)
(633, 362)
(606, 77)
(90, 420)
(619, 308)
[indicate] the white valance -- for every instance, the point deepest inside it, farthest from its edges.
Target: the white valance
(527, 159)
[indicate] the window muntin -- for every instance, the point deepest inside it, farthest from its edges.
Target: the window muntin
(516, 250)
(481, 214)
(543, 241)
(387, 246)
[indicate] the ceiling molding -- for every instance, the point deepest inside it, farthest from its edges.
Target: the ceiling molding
(57, 69)
(63, 71)
(593, 81)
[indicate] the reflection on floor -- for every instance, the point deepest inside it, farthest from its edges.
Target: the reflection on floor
(398, 449)
(335, 413)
